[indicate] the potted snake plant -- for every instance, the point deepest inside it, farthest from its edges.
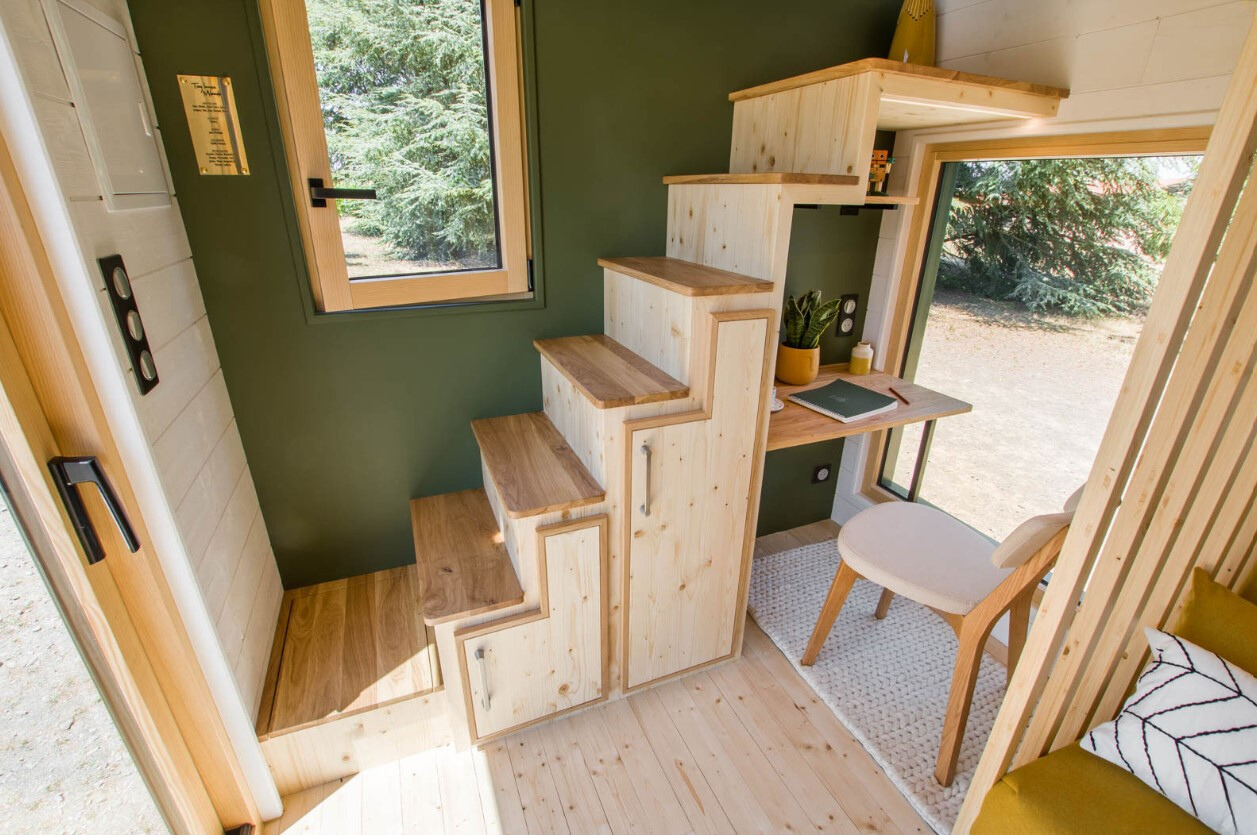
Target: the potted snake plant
(806, 320)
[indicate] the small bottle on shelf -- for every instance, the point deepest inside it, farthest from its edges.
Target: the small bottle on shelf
(861, 359)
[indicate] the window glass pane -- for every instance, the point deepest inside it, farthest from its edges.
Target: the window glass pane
(1032, 296)
(406, 111)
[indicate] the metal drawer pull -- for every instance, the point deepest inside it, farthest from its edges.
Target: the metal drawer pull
(485, 699)
(646, 482)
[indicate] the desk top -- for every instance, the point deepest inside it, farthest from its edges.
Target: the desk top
(795, 425)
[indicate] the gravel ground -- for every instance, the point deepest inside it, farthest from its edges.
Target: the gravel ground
(63, 765)
(1042, 388)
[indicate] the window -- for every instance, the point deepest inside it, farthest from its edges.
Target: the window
(1032, 295)
(418, 103)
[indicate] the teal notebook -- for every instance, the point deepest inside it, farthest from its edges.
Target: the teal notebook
(844, 401)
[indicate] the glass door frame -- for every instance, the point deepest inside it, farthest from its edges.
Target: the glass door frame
(920, 232)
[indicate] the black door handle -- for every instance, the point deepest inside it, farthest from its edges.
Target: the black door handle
(69, 472)
(319, 195)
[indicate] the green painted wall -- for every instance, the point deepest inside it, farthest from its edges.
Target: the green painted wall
(344, 419)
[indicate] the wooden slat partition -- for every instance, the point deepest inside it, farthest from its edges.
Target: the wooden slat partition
(1172, 486)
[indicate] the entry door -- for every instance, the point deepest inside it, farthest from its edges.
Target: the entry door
(690, 488)
(118, 608)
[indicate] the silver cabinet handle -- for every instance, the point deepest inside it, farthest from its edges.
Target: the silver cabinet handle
(485, 699)
(646, 482)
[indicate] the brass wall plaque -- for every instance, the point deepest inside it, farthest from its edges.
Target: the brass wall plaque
(210, 106)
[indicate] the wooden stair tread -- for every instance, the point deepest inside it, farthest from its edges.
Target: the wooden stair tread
(607, 373)
(686, 277)
(885, 65)
(787, 178)
(532, 467)
(345, 647)
(464, 567)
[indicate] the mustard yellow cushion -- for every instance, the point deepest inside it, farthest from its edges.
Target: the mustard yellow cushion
(1219, 620)
(1072, 792)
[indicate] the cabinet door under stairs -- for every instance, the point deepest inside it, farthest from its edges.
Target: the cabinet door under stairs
(690, 479)
(539, 663)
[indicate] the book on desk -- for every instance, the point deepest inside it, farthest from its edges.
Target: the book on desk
(843, 401)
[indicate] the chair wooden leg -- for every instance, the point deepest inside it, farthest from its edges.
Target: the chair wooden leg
(838, 591)
(965, 676)
(1018, 626)
(883, 603)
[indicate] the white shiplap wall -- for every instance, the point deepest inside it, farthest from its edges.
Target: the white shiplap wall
(187, 418)
(1129, 65)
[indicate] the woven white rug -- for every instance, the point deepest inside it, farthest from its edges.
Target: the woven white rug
(886, 680)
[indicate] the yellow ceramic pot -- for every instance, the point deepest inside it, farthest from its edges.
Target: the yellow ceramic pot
(797, 366)
(914, 36)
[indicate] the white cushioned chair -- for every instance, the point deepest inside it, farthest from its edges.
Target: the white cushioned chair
(925, 555)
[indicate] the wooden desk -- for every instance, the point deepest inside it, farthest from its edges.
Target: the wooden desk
(795, 425)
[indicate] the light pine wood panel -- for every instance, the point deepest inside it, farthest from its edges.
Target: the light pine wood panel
(582, 424)
(532, 467)
(747, 748)
(462, 564)
(688, 502)
(540, 663)
(609, 374)
(651, 321)
(686, 277)
(348, 646)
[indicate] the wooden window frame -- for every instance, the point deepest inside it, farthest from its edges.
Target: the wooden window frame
(1161, 142)
(291, 57)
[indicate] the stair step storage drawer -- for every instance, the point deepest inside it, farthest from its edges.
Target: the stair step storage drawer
(540, 663)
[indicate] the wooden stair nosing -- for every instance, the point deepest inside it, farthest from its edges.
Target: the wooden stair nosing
(685, 277)
(608, 374)
(785, 178)
(885, 65)
(532, 467)
(463, 565)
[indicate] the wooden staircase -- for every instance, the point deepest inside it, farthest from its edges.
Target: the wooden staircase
(610, 546)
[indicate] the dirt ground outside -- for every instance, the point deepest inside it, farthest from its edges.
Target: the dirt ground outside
(1042, 388)
(63, 766)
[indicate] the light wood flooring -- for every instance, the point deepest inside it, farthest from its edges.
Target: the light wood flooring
(743, 747)
(344, 647)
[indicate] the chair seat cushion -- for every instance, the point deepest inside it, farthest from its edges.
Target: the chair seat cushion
(1071, 791)
(921, 553)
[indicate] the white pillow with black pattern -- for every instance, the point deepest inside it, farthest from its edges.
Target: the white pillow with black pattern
(1190, 732)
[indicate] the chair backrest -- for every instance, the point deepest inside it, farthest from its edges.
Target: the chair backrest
(1029, 537)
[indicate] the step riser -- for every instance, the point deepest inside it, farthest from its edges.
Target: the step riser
(650, 321)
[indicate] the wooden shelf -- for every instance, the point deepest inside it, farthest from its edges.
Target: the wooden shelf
(890, 200)
(795, 425)
(786, 178)
(913, 96)
(686, 277)
(608, 374)
(463, 566)
(532, 467)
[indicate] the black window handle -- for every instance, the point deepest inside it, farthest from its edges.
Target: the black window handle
(319, 195)
(67, 473)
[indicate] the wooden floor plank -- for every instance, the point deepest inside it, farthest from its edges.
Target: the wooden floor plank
(310, 670)
(538, 796)
(614, 784)
(421, 794)
(618, 725)
(671, 703)
(381, 798)
(501, 774)
(771, 795)
(811, 792)
(460, 792)
(871, 782)
(581, 804)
